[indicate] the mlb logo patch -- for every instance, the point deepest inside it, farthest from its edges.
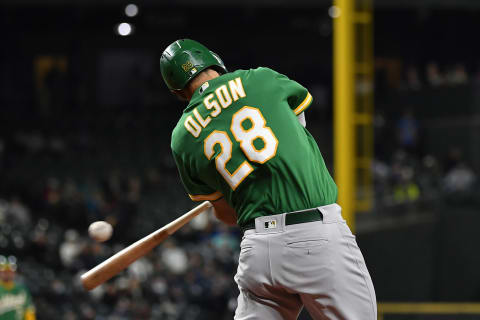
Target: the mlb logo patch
(203, 87)
(272, 224)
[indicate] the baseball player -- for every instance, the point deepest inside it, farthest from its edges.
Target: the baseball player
(240, 145)
(15, 300)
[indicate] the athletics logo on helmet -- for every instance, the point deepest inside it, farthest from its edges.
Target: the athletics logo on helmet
(184, 59)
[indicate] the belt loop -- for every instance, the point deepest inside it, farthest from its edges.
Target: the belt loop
(331, 213)
(325, 216)
(284, 221)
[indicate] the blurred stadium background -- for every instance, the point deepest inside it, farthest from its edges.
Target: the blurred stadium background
(85, 123)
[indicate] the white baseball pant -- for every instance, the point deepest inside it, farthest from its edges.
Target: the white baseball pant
(315, 264)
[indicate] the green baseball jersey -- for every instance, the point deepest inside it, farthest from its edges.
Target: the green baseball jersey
(240, 138)
(15, 302)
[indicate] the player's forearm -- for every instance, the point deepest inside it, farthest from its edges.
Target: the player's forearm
(228, 220)
(224, 212)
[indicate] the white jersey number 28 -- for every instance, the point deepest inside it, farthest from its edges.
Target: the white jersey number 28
(246, 138)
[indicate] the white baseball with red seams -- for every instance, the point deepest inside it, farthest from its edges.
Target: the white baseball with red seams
(100, 231)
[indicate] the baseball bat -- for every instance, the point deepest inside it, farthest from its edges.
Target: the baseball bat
(122, 259)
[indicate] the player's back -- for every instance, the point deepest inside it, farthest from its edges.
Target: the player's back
(239, 137)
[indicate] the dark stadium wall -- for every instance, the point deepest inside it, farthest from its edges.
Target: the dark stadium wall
(433, 260)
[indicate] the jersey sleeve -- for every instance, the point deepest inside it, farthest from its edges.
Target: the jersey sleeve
(298, 97)
(196, 189)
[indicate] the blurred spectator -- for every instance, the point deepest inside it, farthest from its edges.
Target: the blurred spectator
(434, 77)
(405, 188)
(141, 269)
(52, 191)
(413, 79)
(18, 213)
(70, 248)
(457, 75)
(381, 172)
(408, 132)
(224, 240)
(453, 159)
(460, 178)
(429, 177)
(15, 299)
(32, 142)
(174, 258)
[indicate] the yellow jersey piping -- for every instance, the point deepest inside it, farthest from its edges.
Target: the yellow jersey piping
(304, 105)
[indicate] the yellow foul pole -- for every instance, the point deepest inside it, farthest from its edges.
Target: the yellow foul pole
(344, 99)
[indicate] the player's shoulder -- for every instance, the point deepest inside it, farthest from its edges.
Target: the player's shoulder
(261, 71)
(265, 70)
(258, 75)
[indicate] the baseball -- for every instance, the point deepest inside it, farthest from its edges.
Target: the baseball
(100, 231)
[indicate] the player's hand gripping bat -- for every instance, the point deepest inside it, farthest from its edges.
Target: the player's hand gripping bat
(116, 263)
